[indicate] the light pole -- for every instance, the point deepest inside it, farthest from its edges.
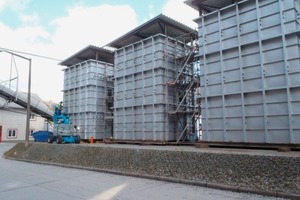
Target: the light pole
(28, 96)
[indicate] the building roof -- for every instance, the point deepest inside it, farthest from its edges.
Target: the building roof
(159, 24)
(89, 52)
(209, 5)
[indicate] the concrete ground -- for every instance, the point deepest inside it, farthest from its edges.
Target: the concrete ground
(23, 180)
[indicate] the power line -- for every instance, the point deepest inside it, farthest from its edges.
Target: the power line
(31, 54)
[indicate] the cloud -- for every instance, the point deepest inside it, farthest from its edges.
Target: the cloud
(32, 19)
(150, 11)
(181, 12)
(23, 38)
(2, 5)
(92, 25)
(15, 5)
(81, 26)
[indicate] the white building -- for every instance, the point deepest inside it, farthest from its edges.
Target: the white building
(13, 121)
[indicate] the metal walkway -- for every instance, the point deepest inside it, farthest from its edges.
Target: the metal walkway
(36, 105)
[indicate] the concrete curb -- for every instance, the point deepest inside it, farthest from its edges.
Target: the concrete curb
(172, 180)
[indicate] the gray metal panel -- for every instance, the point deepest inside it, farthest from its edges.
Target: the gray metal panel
(85, 92)
(85, 99)
(151, 53)
(250, 72)
(271, 14)
(91, 124)
(145, 122)
(89, 72)
(141, 72)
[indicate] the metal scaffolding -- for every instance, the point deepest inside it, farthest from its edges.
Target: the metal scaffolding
(186, 109)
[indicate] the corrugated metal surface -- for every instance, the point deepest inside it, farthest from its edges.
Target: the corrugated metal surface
(159, 24)
(209, 5)
(250, 72)
(89, 52)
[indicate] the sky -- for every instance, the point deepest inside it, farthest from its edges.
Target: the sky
(57, 29)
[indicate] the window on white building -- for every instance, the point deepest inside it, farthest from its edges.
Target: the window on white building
(12, 133)
(32, 116)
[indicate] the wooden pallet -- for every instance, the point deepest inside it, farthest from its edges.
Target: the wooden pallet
(260, 146)
(136, 142)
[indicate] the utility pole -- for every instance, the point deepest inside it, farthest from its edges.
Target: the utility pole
(28, 96)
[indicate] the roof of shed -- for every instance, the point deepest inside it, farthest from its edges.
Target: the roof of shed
(89, 52)
(209, 5)
(159, 24)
